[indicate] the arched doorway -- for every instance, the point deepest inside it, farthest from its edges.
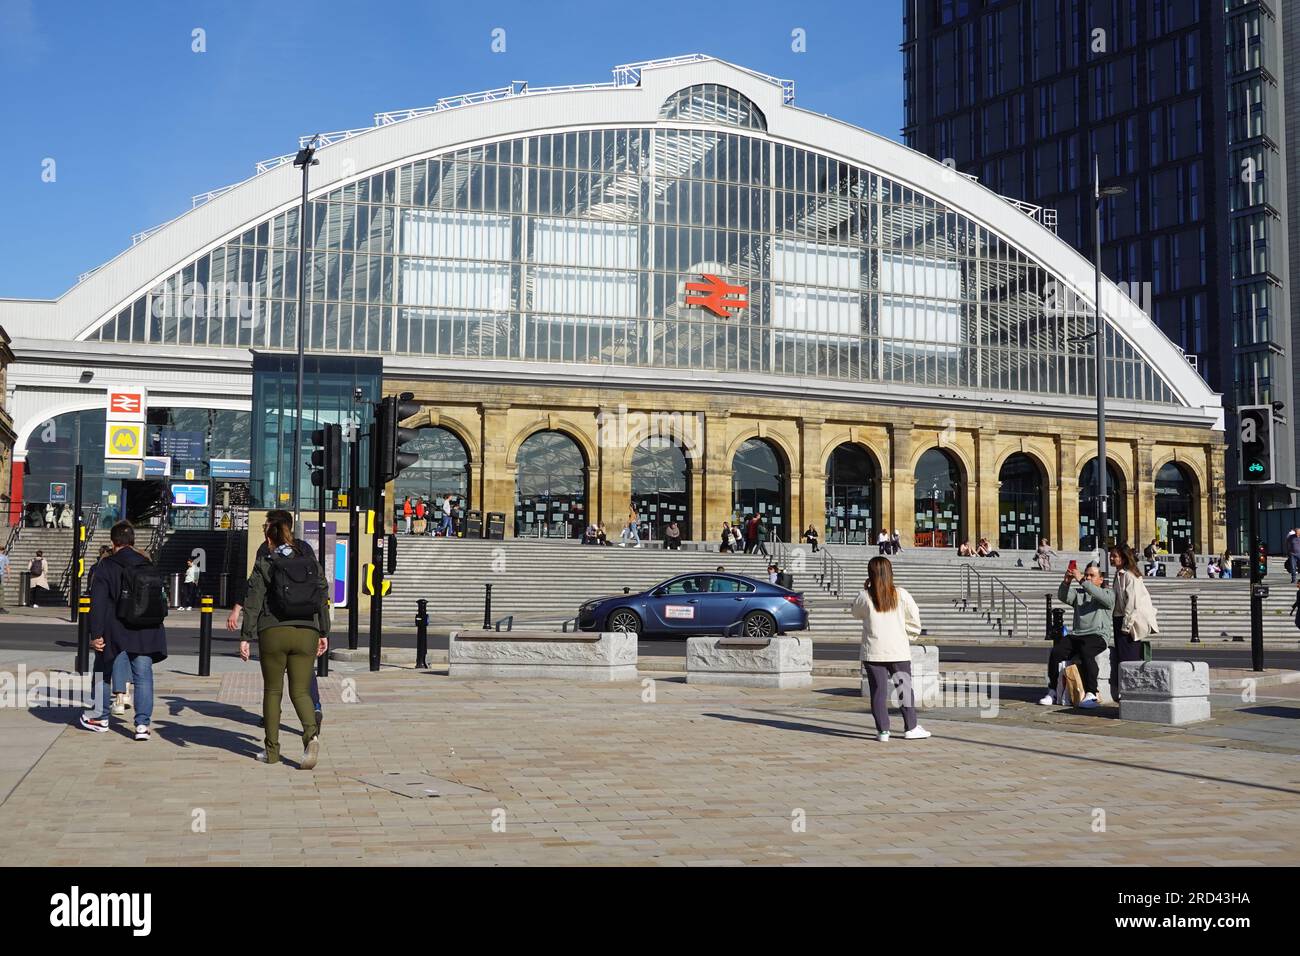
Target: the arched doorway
(1116, 520)
(550, 486)
(443, 469)
(852, 484)
(759, 485)
(1176, 499)
(1022, 510)
(939, 518)
(661, 481)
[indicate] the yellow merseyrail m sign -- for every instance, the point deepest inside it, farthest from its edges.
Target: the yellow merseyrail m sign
(123, 440)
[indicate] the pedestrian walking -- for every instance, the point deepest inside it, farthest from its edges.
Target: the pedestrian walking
(1292, 552)
(234, 619)
(191, 597)
(632, 530)
(128, 605)
(287, 612)
(1093, 626)
(37, 570)
(890, 622)
(445, 528)
(724, 546)
(761, 533)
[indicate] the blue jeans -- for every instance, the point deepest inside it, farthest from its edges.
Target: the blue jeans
(142, 676)
(121, 673)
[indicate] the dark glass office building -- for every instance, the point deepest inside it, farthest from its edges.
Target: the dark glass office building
(1184, 104)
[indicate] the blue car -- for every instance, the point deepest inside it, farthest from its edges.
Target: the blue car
(700, 603)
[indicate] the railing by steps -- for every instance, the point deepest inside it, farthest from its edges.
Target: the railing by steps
(159, 534)
(14, 531)
(831, 575)
(89, 519)
(1001, 606)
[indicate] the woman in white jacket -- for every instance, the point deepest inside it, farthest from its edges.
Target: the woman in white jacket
(1135, 615)
(890, 621)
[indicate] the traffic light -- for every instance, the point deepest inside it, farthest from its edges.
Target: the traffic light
(327, 459)
(1255, 432)
(392, 459)
(1260, 568)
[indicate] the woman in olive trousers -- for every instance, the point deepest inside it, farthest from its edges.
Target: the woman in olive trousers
(290, 639)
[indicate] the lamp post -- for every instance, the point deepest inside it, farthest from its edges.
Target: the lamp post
(305, 160)
(1098, 194)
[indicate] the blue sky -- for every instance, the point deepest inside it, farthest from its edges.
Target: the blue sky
(136, 122)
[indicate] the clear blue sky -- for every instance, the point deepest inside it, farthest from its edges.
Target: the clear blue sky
(137, 123)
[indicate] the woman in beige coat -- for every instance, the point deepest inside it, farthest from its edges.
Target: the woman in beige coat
(1135, 615)
(890, 622)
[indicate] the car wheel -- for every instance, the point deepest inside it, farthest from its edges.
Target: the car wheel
(624, 621)
(759, 624)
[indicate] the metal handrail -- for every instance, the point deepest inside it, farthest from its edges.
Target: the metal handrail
(994, 606)
(89, 518)
(831, 576)
(508, 621)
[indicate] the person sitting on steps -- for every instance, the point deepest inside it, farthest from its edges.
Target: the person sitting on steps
(1091, 631)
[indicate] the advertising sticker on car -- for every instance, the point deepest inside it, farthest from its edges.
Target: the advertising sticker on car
(681, 612)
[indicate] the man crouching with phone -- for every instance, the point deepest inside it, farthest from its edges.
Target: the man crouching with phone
(1092, 629)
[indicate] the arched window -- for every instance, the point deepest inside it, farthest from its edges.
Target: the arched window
(1022, 510)
(852, 487)
(550, 486)
(1116, 520)
(443, 469)
(661, 477)
(759, 485)
(712, 103)
(939, 519)
(1176, 497)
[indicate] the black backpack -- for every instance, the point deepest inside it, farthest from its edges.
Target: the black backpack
(142, 596)
(295, 591)
(38, 567)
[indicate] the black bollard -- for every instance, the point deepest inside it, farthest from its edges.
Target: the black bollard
(1196, 623)
(205, 636)
(82, 663)
(1047, 617)
(1058, 624)
(421, 633)
(487, 607)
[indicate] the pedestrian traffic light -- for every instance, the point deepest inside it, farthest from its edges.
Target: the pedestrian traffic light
(327, 459)
(1255, 431)
(1260, 568)
(393, 460)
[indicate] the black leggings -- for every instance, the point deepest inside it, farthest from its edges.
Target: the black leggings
(881, 679)
(1082, 650)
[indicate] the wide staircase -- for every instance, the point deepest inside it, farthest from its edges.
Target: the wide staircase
(56, 545)
(543, 582)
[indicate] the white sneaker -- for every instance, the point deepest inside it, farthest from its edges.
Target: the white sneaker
(622, 544)
(118, 708)
(142, 732)
(916, 733)
(638, 544)
(1090, 701)
(1048, 699)
(882, 736)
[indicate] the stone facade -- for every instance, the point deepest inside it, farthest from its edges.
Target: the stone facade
(492, 421)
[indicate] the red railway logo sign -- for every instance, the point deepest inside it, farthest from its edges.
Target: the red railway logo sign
(717, 296)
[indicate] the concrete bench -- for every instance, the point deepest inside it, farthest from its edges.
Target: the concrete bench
(1164, 692)
(781, 662)
(927, 686)
(580, 656)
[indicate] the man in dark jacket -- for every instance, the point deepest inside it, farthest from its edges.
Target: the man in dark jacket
(111, 637)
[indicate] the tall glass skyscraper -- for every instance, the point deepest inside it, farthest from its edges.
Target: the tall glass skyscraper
(1184, 104)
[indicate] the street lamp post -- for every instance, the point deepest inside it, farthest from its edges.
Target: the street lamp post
(305, 159)
(1098, 194)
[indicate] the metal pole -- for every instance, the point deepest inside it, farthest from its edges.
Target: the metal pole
(82, 608)
(302, 329)
(205, 636)
(377, 557)
(354, 537)
(1100, 352)
(1257, 590)
(74, 593)
(421, 633)
(322, 662)
(487, 606)
(1196, 623)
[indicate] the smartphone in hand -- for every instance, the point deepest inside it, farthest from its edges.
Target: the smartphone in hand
(1074, 566)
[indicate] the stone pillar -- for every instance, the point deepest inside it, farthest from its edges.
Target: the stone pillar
(1065, 508)
(498, 477)
(987, 486)
(902, 504)
(716, 473)
(609, 487)
(813, 496)
(1213, 503)
(1144, 527)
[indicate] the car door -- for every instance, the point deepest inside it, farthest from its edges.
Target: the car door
(726, 603)
(678, 605)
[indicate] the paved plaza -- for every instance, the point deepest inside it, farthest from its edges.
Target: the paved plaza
(546, 772)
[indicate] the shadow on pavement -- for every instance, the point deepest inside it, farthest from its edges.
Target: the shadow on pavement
(793, 725)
